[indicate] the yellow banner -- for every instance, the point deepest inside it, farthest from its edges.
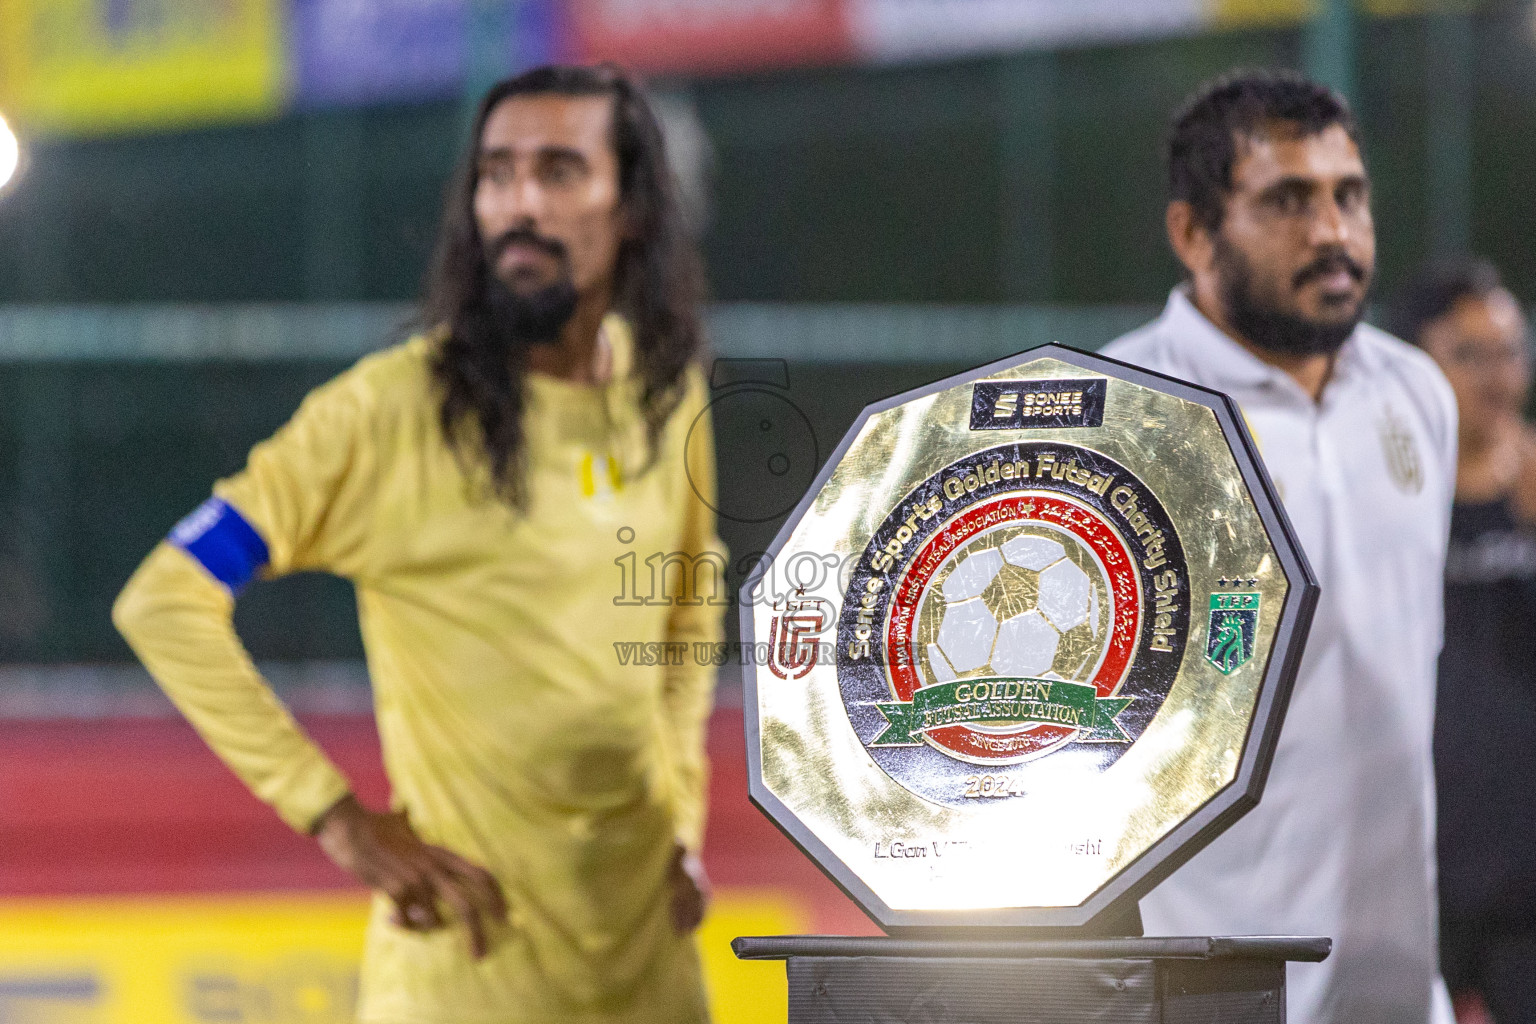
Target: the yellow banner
(279, 960)
(1258, 13)
(84, 66)
(1255, 13)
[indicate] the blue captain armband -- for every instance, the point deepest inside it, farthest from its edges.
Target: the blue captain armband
(222, 542)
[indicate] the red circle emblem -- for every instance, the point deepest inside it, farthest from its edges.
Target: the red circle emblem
(1029, 598)
(1011, 745)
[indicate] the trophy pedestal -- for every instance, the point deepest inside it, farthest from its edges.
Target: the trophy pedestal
(838, 979)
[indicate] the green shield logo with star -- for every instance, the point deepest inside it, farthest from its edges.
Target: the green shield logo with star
(1234, 621)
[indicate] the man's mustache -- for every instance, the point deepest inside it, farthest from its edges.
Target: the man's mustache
(1327, 264)
(523, 236)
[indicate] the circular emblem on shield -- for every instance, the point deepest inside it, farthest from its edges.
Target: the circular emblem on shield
(1028, 599)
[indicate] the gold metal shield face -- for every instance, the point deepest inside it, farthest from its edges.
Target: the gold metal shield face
(1026, 644)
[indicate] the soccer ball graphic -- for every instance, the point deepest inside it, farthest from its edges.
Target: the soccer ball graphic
(1018, 601)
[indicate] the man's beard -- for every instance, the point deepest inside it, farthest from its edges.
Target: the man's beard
(1259, 320)
(528, 318)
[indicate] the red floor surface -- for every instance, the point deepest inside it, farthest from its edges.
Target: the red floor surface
(142, 806)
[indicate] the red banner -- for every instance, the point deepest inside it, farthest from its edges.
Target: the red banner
(709, 35)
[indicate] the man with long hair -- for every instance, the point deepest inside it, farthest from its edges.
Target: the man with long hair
(1270, 213)
(477, 484)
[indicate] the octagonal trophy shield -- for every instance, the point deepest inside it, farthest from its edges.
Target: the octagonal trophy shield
(1026, 644)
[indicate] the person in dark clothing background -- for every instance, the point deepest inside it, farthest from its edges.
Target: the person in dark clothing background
(1485, 720)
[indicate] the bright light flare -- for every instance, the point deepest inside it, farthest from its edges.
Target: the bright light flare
(10, 153)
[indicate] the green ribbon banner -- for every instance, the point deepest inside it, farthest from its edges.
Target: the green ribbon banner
(999, 699)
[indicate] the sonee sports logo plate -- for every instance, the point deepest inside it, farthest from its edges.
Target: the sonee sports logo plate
(1026, 600)
(1022, 404)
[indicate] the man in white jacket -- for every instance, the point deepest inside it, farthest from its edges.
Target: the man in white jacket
(1270, 214)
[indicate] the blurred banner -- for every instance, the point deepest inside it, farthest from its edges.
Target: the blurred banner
(710, 35)
(884, 30)
(909, 29)
(343, 52)
(171, 960)
(89, 65)
(141, 883)
(278, 959)
(347, 51)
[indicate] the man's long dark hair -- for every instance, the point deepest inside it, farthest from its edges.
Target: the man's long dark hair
(658, 285)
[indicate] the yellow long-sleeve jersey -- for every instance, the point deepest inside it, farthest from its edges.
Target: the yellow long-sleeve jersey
(519, 728)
